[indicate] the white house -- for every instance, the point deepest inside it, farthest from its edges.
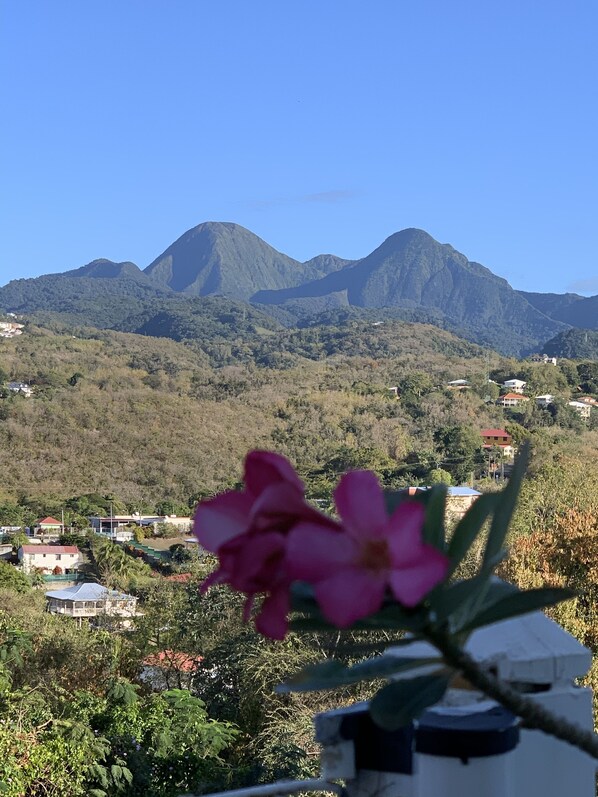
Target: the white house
(582, 408)
(118, 527)
(50, 558)
(511, 400)
(544, 400)
(458, 383)
(92, 600)
(22, 388)
(514, 385)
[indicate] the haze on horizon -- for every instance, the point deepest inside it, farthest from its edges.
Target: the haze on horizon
(320, 127)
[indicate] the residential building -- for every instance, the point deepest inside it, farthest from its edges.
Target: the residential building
(458, 384)
(544, 400)
(22, 388)
(50, 558)
(47, 528)
(119, 527)
(581, 408)
(498, 438)
(10, 330)
(169, 669)
(93, 601)
(511, 400)
(590, 400)
(458, 499)
(514, 385)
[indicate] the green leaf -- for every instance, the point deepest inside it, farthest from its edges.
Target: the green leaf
(333, 674)
(393, 499)
(516, 604)
(400, 702)
(447, 601)
(470, 526)
(506, 506)
(433, 532)
(393, 617)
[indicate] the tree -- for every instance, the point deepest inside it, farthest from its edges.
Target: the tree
(461, 450)
(439, 476)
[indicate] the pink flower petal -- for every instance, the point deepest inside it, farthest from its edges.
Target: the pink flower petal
(360, 503)
(405, 528)
(279, 503)
(349, 595)
(272, 619)
(257, 563)
(411, 584)
(263, 468)
(220, 519)
(314, 552)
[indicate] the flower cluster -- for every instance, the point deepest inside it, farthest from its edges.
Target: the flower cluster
(267, 536)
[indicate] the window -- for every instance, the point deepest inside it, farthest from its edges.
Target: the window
(58, 556)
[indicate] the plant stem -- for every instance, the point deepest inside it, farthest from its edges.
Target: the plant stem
(533, 714)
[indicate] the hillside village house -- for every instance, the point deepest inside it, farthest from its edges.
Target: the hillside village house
(511, 400)
(458, 499)
(50, 558)
(514, 385)
(458, 384)
(47, 528)
(544, 400)
(93, 601)
(118, 527)
(581, 408)
(9, 329)
(588, 400)
(22, 388)
(498, 438)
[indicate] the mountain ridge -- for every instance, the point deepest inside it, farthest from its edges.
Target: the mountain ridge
(409, 271)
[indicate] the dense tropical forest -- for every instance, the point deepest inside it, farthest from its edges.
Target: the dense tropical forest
(152, 424)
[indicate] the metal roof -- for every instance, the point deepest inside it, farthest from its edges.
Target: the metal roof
(87, 592)
(462, 491)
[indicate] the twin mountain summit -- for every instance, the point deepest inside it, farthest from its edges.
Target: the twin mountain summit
(409, 276)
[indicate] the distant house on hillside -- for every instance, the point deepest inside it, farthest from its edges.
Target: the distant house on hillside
(50, 558)
(8, 329)
(458, 384)
(544, 400)
(514, 385)
(91, 601)
(169, 669)
(21, 388)
(498, 438)
(511, 400)
(543, 358)
(119, 527)
(458, 499)
(590, 400)
(582, 408)
(47, 528)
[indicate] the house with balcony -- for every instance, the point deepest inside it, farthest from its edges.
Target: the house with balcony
(581, 408)
(50, 558)
(544, 400)
(498, 438)
(119, 528)
(92, 601)
(514, 385)
(511, 400)
(47, 528)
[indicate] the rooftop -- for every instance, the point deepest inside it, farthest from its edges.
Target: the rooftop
(50, 549)
(88, 592)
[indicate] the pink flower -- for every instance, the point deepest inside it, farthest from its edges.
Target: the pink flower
(248, 530)
(352, 571)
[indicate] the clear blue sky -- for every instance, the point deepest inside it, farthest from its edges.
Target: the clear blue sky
(321, 125)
